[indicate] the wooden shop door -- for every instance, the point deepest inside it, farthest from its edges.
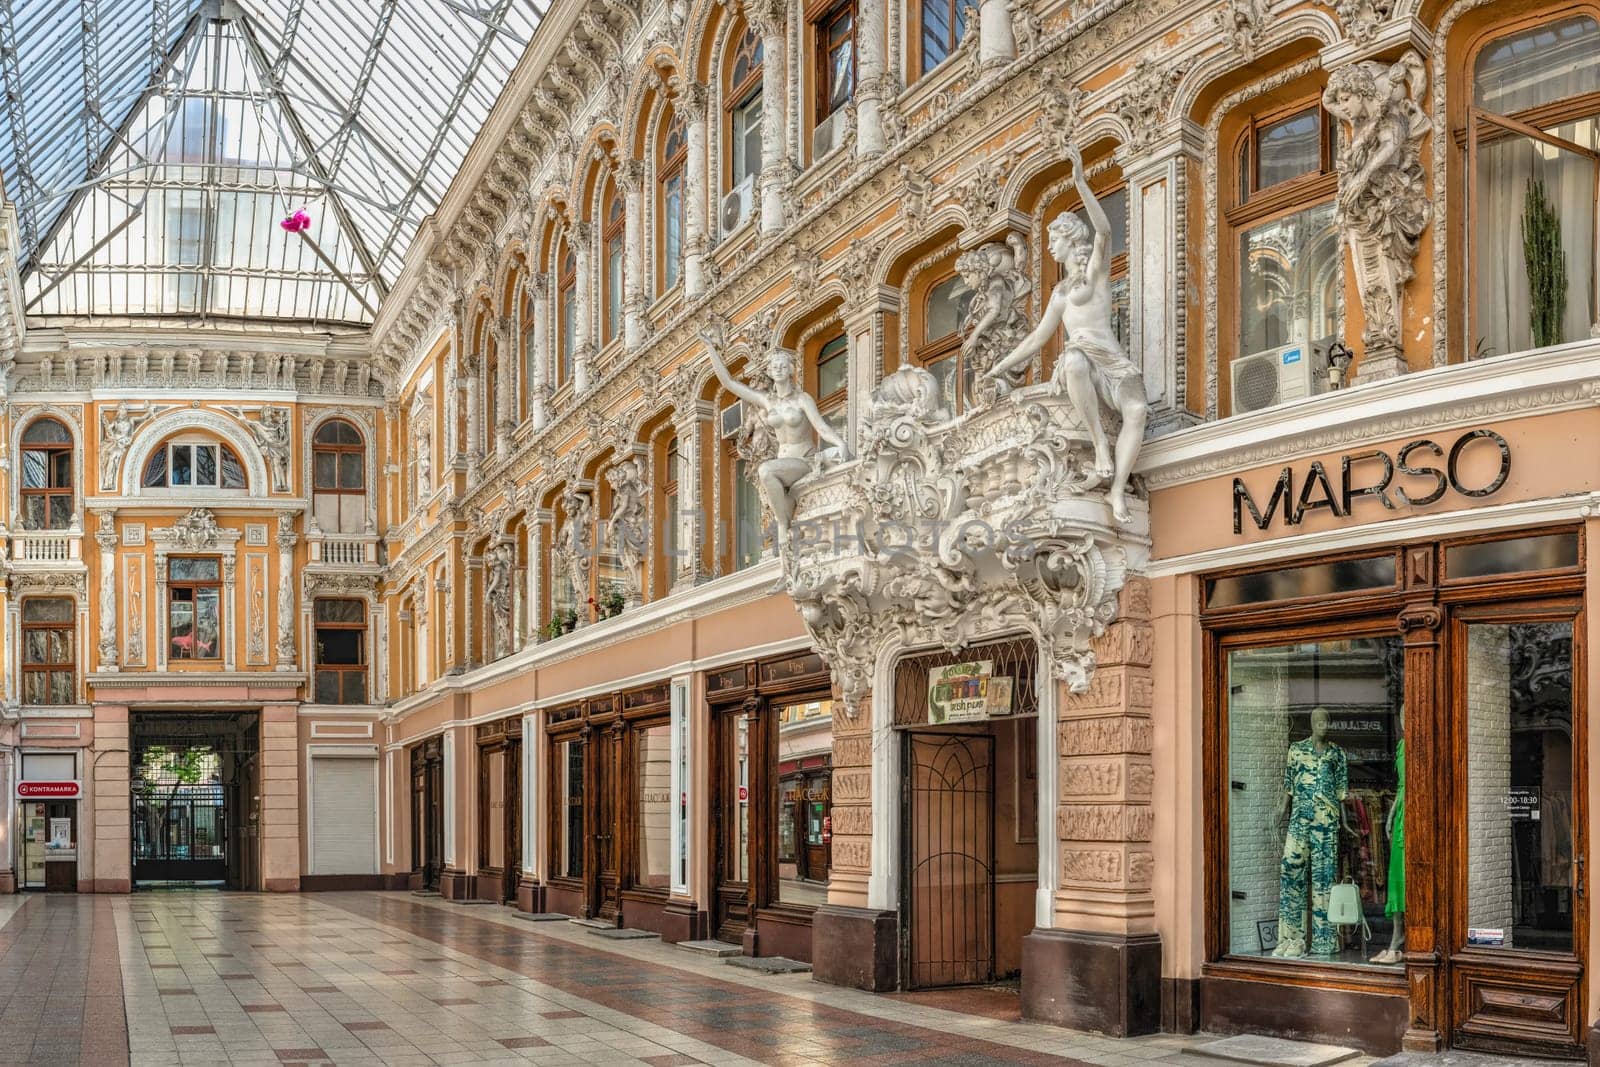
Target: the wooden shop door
(1518, 916)
(949, 842)
(513, 820)
(732, 796)
(604, 883)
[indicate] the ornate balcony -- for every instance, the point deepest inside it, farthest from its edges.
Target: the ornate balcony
(47, 546)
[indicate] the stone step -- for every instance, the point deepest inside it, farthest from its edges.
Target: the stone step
(1271, 1052)
(768, 964)
(622, 933)
(1454, 1058)
(719, 949)
(594, 924)
(541, 916)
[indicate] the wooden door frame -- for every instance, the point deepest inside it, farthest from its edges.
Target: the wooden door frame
(641, 709)
(563, 725)
(501, 736)
(427, 764)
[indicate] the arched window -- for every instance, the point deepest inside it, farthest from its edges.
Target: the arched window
(669, 513)
(488, 349)
(742, 496)
(1284, 249)
(613, 238)
(830, 380)
(567, 303)
(47, 497)
(339, 478)
(193, 462)
(525, 335)
(744, 109)
(674, 151)
(939, 350)
(1533, 163)
(942, 24)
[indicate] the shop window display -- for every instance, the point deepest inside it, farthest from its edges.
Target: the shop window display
(653, 774)
(805, 776)
(1316, 801)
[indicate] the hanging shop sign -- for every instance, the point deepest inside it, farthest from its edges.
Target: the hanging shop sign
(967, 692)
(1419, 473)
(49, 790)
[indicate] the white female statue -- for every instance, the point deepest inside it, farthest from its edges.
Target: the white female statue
(792, 415)
(1092, 366)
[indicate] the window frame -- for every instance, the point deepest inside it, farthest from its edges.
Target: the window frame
(48, 670)
(613, 244)
(958, 27)
(674, 167)
(193, 586)
(336, 450)
(931, 350)
(822, 21)
(191, 442)
(741, 97)
(838, 400)
(341, 669)
(51, 451)
(566, 325)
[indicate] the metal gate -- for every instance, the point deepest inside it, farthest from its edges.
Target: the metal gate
(950, 859)
(180, 833)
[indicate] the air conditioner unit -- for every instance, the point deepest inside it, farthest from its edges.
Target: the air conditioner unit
(732, 419)
(1279, 375)
(829, 134)
(737, 205)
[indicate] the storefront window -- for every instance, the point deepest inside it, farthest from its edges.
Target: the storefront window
(805, 777)
(653, 773)
(570, 768)
(1521, 876)
(1316, 800)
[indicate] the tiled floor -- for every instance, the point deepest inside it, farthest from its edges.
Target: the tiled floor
(370, 978)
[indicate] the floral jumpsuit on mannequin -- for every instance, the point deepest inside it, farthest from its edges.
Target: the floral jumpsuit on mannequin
(1316, 783)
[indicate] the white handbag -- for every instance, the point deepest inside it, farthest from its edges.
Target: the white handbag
(1344, 905)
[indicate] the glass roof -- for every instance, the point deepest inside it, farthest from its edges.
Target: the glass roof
(153, 147)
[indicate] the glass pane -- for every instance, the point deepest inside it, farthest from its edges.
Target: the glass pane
(207, 623)
(155, 471)
(60, 649)
(36, 688)
(205, 465)
(36, 646)
(327, 687)
(739, 854)
(1291, 281)
(181, 467)
(46, 432)
(180, 625)
(1289, 148)
(1547, 553)
(61, 470)
(672, 221)
(841, 64)
(60, 512)
(1317, 579)
(1316, 800)
(935, 33)
(1535, 234)
(190, 569)
(947, 306)
(350, 611)
(341, 647)
(572, 802)
(355, 687)
(1115, 204)
(833, 369)
(747, 517)
(1556, 61)
(352, 470)
(1520, 872)
(653, 772)
(61, 687)
(33, 513)
(945, 371)
(232, 470)
(805, 801)
(35, 469)
(325, 470)
(46, 609)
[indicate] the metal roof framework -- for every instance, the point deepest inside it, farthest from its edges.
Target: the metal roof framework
(152, 146)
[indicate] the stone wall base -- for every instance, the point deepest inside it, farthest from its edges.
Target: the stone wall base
(856, 947)
(530, 895)
(1372, 1022)
(1108, 983)
(454, 885)
(682, 921)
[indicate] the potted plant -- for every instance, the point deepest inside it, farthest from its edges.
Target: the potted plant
(1546, 264)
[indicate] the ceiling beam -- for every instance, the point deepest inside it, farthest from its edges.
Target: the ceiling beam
(358, 95)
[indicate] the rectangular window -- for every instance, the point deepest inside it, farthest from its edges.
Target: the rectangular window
(1315, 797)
(341, 652)
(49, 665)
(1289, 148)
(672, 226)
(833, 376)
(1291, 281)
(194, 608)
(836, 56)
(569, 331)
(614, 288)
(569, 755)
(944, 23)
(653, 776)
(746, 517)
(747, 138)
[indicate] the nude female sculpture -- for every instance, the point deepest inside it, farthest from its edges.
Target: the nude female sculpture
(792, 415)
(1092, 366)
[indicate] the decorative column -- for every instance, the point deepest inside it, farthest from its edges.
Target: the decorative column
(581, 236)
(505, 387)
(287, 539)
(1158, 184)
(539, 523)
(1103, 918)
(470, 653)
(631, 177)
(692, 426)
(538, 357)
(997, 42)
(106, 537)
(162, 639)
(870, 77)
(229, 610)
(771, 19)
(692, 103)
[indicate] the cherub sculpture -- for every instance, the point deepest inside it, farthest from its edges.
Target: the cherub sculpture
(997, 276)
(1092, 367)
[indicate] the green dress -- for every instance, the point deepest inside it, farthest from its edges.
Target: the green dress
(1396, 902)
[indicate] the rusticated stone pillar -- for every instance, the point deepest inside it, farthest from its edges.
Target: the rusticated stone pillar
(1097, 965)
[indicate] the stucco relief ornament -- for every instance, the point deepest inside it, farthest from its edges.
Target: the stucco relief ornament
(1093, 368)
(196, 531)
(274, 432)
(116, 435)
(1145, 104)
(792, 416)
(497, 591)
(1242, 22)
(999, 278)
(574, 549)
(1361, 18)
(1382, 207)
(627, 528)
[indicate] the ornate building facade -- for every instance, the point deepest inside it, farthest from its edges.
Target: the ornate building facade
(490, 598)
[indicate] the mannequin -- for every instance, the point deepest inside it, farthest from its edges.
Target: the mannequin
(1395, 903)
(1315, 780)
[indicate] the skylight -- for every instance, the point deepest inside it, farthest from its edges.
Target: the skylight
(153, 158)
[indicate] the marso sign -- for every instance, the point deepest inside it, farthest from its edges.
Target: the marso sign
(1419, 473)
(48, 790)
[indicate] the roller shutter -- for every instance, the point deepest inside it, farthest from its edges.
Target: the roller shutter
(344, 812)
